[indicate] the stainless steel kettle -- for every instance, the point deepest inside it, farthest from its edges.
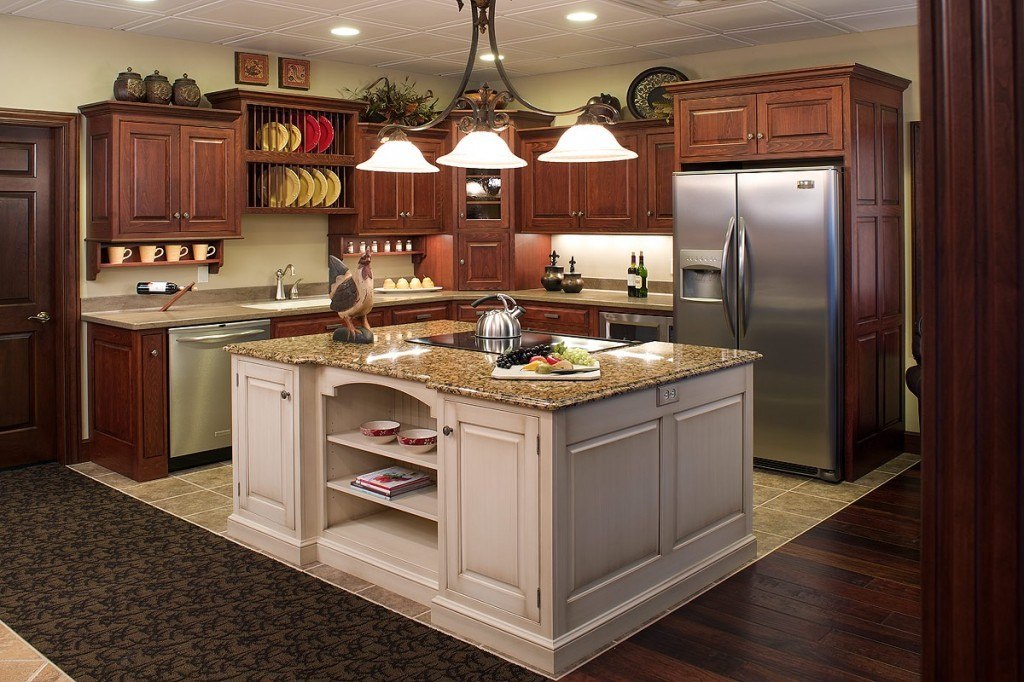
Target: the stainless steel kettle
(500, 323)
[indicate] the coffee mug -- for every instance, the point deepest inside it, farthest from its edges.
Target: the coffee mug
(203, 251)
(175, 252)
(148, 254)
(118, 254)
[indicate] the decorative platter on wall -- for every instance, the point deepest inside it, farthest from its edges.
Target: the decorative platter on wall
(647, 90)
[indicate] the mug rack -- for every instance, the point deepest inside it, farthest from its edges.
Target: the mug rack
(98, 256)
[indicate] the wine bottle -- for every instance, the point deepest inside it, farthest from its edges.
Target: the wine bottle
(641, 274)
(631, 276)
(157, 288)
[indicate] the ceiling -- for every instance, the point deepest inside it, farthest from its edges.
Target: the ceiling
(432, 36)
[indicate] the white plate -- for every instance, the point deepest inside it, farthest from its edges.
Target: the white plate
(517, 373)
(382, 290)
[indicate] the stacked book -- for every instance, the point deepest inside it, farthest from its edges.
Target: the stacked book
(392, 481)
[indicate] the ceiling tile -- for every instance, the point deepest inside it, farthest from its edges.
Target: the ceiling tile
(607, 13)
(327, 6)
(736, 18)
(537, 66)
(321, 28)
(82, 14)
(789, 32)
(506, 29)
(836, 8)
(878, 20)
(164, 7)
(677, 48)
(188, 29)
(431, 65)
(566, 44)
(622, 55)
(364, 55)
(282, 44)
(420, 43)
(647, 31)
(251, 14)
(9, 6)
(418, 16)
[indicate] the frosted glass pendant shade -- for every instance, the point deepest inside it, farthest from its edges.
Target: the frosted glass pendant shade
(482, 149)
(586, 143)
(398, 156)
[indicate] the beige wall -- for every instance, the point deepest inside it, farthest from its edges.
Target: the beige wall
(57, 67)
(894, 51)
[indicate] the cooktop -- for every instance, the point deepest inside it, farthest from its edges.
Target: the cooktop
(470, 341)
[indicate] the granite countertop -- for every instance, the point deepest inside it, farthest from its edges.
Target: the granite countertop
(187, 315)
(468, 373)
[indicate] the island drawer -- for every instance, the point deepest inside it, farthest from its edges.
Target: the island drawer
(319, 323)
(464, 312)
(419, 314)
(558, 319)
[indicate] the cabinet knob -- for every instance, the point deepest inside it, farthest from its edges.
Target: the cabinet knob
(285, 395)
(41, 317)
(447, 431)
(461, 214)
(186, 216)
(154, 352)
(177, 215)
(750, 136)
(760, 136)
(462, 261)
(650, 213)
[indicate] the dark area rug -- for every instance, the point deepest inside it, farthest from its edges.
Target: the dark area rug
(110, 588)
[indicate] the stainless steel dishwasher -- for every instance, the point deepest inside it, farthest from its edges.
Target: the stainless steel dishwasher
(200, 388)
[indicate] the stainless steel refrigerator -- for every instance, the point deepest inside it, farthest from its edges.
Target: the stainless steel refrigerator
(758, 258)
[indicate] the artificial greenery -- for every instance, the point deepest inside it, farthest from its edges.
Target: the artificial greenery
(399, 103)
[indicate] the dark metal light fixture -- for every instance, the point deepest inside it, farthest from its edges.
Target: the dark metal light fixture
(585, 142)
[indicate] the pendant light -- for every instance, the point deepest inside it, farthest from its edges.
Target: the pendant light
(587, 141)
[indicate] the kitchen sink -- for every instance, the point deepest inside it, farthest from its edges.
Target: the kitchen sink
(292, 304)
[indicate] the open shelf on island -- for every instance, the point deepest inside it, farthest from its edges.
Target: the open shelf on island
(355, 439)
(391, 534)
(422, 502)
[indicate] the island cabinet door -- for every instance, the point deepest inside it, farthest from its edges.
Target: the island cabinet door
(492, 508)
(264, 435)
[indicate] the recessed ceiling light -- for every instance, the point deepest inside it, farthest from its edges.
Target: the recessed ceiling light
(489, 57)
(581, 16)
(345, 31)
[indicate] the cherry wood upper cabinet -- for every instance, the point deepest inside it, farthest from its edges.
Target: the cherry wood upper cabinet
(427, 195)
(161, 172)
(483, 260)
(716, 126)
(550, 191)
(659, 163)
(803, 120)
(608, 191)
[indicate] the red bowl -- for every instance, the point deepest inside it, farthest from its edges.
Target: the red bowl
(381, 431)
(418, 440)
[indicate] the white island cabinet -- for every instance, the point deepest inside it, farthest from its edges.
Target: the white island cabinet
(564, 516)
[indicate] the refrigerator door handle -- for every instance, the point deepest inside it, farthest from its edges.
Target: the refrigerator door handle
(726, 302)
(743, 258)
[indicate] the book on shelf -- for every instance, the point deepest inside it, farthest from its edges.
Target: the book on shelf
(392, 481)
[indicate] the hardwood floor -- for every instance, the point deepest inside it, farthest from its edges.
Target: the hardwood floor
(840, 602)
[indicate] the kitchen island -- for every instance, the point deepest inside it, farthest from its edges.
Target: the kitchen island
(566, 514)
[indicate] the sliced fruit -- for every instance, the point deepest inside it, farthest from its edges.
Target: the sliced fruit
(552, 360)
(532, 367)
(544, 369)
(538, 358)
(562, 364)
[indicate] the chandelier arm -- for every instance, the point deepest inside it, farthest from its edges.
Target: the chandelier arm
(493, 38)
(458, 93)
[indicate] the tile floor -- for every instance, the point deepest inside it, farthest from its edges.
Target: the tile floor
(784, 506)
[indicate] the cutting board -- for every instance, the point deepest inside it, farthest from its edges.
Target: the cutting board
(517, 374)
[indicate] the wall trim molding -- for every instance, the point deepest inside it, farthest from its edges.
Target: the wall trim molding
(912, 442)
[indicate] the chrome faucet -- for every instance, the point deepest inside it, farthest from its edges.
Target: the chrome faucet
(279, 296)
(294, 293)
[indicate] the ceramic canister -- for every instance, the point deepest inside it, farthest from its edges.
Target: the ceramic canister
(128, 87)
(186, 92)
(158, 89)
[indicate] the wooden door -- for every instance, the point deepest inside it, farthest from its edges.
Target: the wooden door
(804, 120)
(264, 441)
(710, 127)
(484, 261)
(28, 345)
(380, 196)
(608, 192)
(659, 162)
(550, 191)
(208, 180)
(492, 507)
(149, 179)
(425, 193)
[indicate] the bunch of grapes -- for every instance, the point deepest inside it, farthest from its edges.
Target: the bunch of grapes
(521, 356)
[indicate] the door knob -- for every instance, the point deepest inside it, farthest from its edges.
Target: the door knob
(447, 431)
(41, 317)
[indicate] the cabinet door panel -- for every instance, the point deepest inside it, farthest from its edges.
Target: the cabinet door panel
(608, 191)
(492, 472)
(265, 442)
(484, 261)
(716, 127)
(150, 178)
(804, 120)
(380, 195)
(660, 162)
(550, 191)
(426, 193)
(208, 180)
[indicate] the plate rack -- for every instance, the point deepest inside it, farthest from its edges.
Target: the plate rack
(284, 135)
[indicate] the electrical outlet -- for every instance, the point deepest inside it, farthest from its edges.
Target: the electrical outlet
(203, 274)
(667, 395)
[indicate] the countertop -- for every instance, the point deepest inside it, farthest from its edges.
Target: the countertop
(187, 315)
(468, 373)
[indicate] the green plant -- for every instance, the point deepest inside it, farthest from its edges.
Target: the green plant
(399, 103)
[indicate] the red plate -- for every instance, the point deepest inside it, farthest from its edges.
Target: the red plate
(312, 135)
(326, 134)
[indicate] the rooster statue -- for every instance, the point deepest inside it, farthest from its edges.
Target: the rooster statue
(352, 297)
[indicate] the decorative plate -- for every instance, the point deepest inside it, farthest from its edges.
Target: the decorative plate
(306, 187)
(647, 89)
(320, 187)
(326, 134)
(333, 187)
(312, 135)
